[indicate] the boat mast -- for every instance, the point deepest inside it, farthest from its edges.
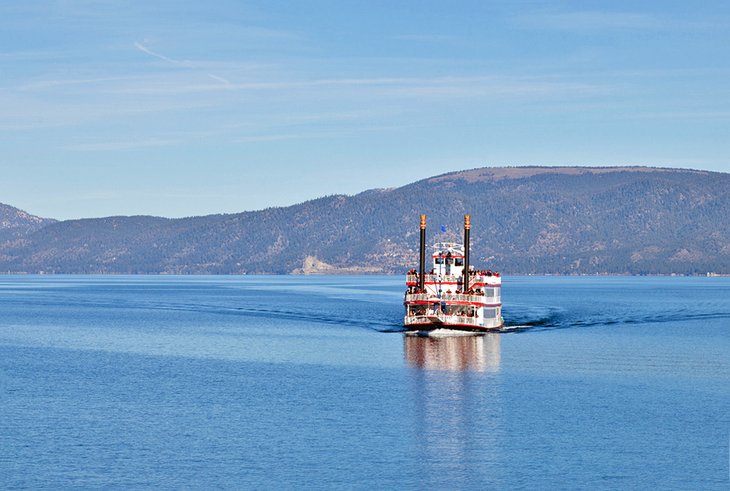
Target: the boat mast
(422, 261)
(467, 228)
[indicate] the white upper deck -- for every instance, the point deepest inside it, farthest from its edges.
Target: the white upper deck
(448, 259)
(447, 267)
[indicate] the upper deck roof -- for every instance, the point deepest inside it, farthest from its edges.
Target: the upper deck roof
(448, 249)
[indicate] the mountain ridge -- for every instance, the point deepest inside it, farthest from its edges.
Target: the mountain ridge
(518, 172)
(531, 220)
(15, 223)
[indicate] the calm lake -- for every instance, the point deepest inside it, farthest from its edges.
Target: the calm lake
(273, 382)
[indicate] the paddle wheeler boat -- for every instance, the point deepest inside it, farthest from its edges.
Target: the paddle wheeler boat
(452, 295)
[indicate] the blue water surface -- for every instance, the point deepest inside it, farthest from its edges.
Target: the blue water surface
(274, 382)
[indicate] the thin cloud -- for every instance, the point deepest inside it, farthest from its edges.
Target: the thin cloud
(404, 86)
(595, 20)
(280, 122)
(46, 84)
(145, 49)
(314, 135)
(23, 111)
(674, 115)
(220, 79)
(226, 83)
(270, 138)
(426, 38)
(26, 56)
(121, 145)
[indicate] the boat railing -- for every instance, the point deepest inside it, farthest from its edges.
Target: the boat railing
(461, 319)
(416, 319)
(460, 297)
(447, 319)
(453, 297)
(421, 297)
(485, 280)
(433, 278)
(442, 278)
(450, 278)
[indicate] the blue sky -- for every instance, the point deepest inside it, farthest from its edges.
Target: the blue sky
(187, 108)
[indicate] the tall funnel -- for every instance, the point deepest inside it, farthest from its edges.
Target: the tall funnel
(467, 228)
(422, 261)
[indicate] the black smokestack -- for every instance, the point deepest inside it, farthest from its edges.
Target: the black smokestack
(422, 261)
(467, 228)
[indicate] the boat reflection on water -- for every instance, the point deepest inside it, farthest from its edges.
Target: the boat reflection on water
(458, 411)
(479, 353)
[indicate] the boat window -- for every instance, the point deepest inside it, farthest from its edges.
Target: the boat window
(489, 292)
(459, 262)
(449, 260)
(439, 260)
(490, 313)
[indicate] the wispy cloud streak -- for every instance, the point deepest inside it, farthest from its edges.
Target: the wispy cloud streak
(313, 135)
(184, 63)
(47, 84)
(145, 49)
(395, 86)
(599, 20)
(122, 145)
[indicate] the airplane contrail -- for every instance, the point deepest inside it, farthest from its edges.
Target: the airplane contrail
(220, 79)
(148, 51)
(145, 49)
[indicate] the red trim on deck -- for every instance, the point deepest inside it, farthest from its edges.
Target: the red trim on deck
(473, 284)
(456, 283)
(450, 302)
(442, 325)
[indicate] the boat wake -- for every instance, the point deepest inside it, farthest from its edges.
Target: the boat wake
(357, 314)
(383, 324)
(519, 318)
(549, 318)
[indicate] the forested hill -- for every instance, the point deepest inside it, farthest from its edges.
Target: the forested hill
(15, 223)
(568, 220)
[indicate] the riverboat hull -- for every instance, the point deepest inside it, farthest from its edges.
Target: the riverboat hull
(452, 295)
(436, 325)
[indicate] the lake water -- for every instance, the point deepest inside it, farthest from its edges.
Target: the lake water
(307, 382)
